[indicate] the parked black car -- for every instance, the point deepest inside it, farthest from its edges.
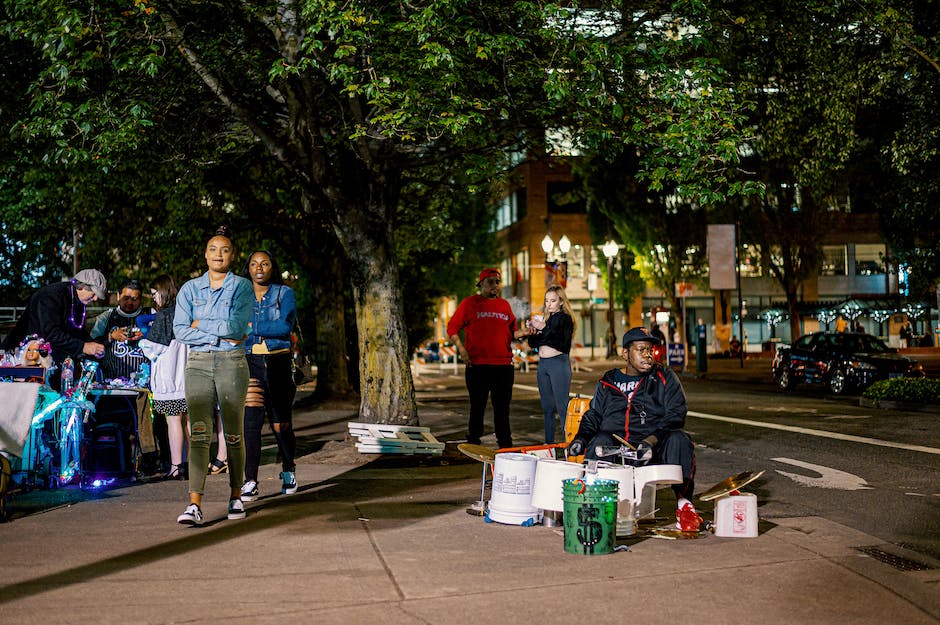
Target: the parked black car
(842, 361)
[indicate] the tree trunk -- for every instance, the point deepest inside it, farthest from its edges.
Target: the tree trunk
(386, 384)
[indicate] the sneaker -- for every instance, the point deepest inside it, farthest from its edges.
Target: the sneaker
(250, 490)
(236, 509)
(218, 466)
(687, 519)
(288, 483)
(192, 516)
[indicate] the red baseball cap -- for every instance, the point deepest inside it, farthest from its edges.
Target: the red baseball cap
(489, 272)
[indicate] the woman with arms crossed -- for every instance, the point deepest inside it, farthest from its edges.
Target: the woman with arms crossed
(212, 315)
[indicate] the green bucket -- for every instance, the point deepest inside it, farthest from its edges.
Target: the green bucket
(590, 516)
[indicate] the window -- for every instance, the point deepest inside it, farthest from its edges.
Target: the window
(834, 261)
(576, 262)
(510, 210)
(868, 259)
(522, 266)
(750, 261)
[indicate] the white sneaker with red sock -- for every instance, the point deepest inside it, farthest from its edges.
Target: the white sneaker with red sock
(687, 519)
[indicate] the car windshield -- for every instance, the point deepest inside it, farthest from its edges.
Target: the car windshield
(862, 343)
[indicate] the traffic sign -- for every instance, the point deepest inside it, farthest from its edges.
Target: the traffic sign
(676, 354)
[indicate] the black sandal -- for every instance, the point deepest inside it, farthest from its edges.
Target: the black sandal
(218, 466)
(175, 472)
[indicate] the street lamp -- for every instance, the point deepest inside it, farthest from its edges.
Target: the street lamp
(564, 244)
(547, 246)
(610, 250)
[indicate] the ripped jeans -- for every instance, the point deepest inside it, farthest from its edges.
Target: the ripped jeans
(216, 379)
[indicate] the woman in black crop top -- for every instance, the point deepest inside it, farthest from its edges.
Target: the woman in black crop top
(551, 334)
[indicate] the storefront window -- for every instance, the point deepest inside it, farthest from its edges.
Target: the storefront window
(868, 259)
(834, 261)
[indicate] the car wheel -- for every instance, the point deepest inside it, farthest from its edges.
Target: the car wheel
(838, 382)
(784, 382)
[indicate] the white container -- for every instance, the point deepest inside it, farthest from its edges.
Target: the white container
(736, 516)
(511, 495)
(623, 474)
(626, 506)
(549, 474)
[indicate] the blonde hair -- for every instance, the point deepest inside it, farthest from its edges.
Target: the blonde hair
(559, 290)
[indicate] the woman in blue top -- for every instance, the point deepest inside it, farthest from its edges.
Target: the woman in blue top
(551, 335)
(212, 315)
(271, 387)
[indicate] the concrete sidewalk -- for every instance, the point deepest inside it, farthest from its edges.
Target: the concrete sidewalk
(389, 541)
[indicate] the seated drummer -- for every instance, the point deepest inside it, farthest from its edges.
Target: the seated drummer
(653, 399)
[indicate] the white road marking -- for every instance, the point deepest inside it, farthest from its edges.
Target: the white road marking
(821, 433)
(828, 477)
(780, 409)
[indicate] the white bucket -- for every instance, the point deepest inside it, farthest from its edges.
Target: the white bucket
(626, 506)
(645, 482)
(622, 473)
(511, 496)
(549, 474)
(736, 516)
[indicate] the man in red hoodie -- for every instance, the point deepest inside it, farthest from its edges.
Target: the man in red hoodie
(489, 327)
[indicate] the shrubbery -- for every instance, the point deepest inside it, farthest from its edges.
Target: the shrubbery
(914, 390)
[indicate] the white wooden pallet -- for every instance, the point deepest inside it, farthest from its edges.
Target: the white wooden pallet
(380, 438)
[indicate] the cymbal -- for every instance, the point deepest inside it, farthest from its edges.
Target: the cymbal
(478, 452)
(729, 485)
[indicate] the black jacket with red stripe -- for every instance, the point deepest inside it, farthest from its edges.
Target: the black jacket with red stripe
(656, 405)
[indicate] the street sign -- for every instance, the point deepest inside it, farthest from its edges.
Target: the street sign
(676, 354)
(684, 289)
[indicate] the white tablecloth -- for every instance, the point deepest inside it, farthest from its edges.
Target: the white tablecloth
(17, 405)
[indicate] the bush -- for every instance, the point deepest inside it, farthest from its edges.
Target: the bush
(914, 390)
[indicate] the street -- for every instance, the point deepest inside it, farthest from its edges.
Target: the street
(870, 481)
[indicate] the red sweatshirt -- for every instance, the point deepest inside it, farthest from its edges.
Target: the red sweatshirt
(488, 326)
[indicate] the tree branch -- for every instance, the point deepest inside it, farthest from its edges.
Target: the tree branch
(271, 143)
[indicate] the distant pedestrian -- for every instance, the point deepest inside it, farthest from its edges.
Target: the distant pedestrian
(489, 327)
(907, 334)
(551, 333)
(701, 351)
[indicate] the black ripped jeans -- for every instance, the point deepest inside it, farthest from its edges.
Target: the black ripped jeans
(273, 373)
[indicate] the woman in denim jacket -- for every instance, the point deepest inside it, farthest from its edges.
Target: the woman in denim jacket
(271, 387)
(212, 315)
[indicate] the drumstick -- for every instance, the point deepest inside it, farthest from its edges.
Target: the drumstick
(621, 439)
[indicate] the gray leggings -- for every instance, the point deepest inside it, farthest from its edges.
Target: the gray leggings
(554, 379)
(216, 379)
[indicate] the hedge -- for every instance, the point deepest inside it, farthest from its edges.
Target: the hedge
(914, 390)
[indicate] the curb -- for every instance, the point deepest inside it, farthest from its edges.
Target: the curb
(885, 404)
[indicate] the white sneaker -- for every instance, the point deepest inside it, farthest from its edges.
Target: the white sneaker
(192, 516)
(236, 509)
(250, 490)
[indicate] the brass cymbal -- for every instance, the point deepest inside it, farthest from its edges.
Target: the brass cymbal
(478, 452)
(729, 485)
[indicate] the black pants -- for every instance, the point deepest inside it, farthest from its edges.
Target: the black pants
(675, 447)
(273, 372)
(495, 382)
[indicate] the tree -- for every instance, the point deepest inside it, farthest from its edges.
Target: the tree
(358, 100)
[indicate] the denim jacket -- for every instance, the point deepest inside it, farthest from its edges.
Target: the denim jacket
(223, 313)
(273, 319)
